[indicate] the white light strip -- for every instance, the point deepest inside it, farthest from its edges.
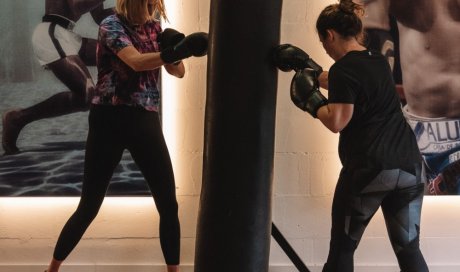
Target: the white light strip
(18, 202)
(169, 92)
(169, 116)
(115, 202)
(447, 202)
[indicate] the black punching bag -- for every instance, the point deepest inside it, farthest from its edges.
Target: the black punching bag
(234, 220)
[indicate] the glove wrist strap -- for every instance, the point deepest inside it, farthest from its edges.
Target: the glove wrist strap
(314, 102)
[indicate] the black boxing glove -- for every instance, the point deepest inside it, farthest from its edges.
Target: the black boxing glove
(288, 57)
(195, 44)
(305, 91)
(169, 37)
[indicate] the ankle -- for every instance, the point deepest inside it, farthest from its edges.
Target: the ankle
(172, 268)
(54, 266)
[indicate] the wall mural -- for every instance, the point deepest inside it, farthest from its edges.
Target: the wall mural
(50, 128)
(421, 43)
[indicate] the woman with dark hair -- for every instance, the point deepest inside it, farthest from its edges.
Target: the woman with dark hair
(381, 162)
(124, 115)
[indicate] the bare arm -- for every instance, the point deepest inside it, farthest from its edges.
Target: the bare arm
(335, 116)
(323, 80)
(176, 70)
(148, 61)
(416, 14)
(99, 13)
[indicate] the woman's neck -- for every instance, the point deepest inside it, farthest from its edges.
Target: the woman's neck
(350, 45)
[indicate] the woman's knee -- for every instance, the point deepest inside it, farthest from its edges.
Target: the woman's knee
(86, 212)
(410, 258)
(169, 208)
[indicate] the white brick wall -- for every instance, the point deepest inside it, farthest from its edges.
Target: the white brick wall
(124, 236)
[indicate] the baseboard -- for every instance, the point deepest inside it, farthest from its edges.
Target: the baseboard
(91, 268)
(373, 268)
(189, 268)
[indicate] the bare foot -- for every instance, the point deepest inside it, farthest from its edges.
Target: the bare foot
(10, 132)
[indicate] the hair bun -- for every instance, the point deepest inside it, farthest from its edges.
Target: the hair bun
(351, 8)
(347, 6)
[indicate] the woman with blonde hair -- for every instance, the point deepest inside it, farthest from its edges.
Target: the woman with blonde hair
(124, 115)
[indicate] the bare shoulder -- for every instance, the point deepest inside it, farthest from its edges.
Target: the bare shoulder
(59, 7)
(416, 14)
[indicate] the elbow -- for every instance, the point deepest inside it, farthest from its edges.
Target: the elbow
(339, 127)
(134, 63)
(335, 125)
(176, 71)
(180, 74)
(337, 117)
(137, 67)
(334, 129)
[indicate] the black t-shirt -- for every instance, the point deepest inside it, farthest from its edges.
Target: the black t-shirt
(377, 135)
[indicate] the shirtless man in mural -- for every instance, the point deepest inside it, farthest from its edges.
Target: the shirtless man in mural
(429, 31)
(382, 35)
(67, 55)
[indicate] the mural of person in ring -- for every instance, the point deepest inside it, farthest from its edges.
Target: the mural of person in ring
(428, 41)
(67, 54)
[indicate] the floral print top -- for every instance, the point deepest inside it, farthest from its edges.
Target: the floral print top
(117, 83)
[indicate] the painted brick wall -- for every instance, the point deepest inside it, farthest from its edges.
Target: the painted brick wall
(124, 236)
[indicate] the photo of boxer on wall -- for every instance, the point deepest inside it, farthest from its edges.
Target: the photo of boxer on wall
(43, 144)
(46, 84)
(422, 37)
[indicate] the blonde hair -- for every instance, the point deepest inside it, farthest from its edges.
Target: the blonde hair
(136, 11)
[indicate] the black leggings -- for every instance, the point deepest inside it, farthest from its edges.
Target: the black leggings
(400, 196)
(112, 129)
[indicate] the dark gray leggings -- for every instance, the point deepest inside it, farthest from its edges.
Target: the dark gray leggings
(356, 200)
(112, 129)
